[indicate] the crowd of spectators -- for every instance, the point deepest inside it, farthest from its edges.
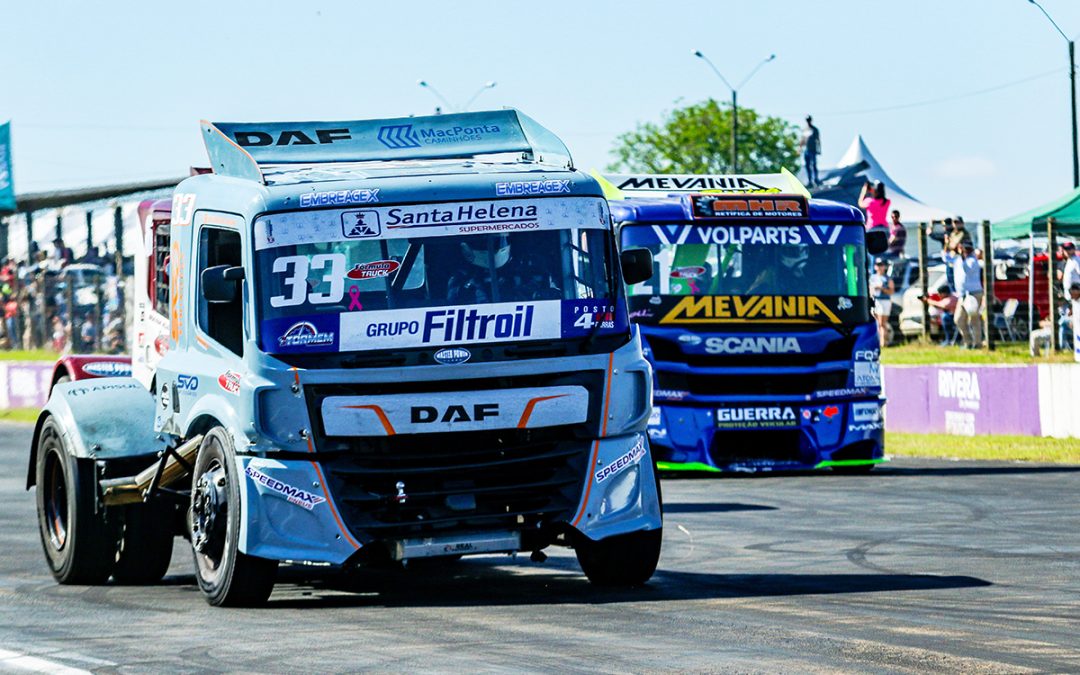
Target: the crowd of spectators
(54, 301)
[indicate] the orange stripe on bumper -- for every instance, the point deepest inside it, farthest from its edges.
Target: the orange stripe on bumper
(378, 411)
(524, 421)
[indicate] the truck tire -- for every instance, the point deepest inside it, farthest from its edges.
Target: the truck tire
(227, 577)
(622, 560)
(146, 544)
(79, 542)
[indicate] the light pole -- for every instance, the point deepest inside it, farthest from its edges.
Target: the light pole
(735, 102)
(487, 85)
(1072, 92)
(450, 106)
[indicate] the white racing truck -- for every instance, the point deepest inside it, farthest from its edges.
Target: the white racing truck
(387, 340)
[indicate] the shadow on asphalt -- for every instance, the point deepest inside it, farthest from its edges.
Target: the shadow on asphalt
(494, 582)
(883, 470)
(707, 507)
(969, 470)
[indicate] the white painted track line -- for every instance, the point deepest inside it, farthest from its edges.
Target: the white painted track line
(14, 661)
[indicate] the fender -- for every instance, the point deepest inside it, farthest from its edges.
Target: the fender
(88, 366)
(101, 420)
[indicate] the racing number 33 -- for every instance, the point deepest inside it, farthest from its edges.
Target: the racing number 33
(296, 269)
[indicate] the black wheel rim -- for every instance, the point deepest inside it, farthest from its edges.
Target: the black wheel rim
(56, 501)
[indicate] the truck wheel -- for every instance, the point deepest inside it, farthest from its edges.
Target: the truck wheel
(622, 560)
(226, 576)
(146, 544)
(80, 545)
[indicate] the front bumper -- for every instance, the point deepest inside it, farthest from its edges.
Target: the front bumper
(821, 434)
(307, 511)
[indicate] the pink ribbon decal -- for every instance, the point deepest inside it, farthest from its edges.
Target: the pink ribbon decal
(354, 299)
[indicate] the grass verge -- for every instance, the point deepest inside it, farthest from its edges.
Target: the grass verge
(1020, 448)
(19, 415)
(28, 355)
(919, 354)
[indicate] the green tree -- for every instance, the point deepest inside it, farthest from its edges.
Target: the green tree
(697, 139)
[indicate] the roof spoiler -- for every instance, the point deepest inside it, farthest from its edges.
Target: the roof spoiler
(240, 149)
(622, 185)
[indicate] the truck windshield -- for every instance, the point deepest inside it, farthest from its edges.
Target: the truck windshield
(750, 273)
(434, 275)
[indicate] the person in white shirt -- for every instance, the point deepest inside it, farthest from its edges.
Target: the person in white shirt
(1071, 274)
(968, 277)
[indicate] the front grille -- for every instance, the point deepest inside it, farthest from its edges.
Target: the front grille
(663, 349)
(517, 479)
(777, 384)
(781, 445)
(457, 482)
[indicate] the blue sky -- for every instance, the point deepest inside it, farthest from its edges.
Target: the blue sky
(106, 92)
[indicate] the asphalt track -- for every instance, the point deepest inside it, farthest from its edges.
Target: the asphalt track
(922, 566)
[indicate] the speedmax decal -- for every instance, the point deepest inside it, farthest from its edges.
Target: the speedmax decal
(294, 495)
(633, 456)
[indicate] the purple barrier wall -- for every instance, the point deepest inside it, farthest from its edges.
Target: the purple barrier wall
(24, 384)
(963, 400)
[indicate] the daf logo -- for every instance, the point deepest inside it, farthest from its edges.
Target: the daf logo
(427, 414)
(453, 355)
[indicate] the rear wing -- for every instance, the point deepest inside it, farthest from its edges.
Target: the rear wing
(242, 149)
(622, 185)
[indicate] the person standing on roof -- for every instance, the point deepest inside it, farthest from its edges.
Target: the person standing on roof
(873, 201)
(811, 147)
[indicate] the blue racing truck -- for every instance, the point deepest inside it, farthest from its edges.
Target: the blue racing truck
(387, 340)
(756, 321)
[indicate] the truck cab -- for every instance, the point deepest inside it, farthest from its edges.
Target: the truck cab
(388, 340)
(757, 322)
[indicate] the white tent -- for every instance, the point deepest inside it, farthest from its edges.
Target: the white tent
(911, 209)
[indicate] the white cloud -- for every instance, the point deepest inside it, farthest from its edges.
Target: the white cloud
(974, 166)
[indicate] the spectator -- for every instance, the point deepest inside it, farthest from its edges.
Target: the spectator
(881, 290)
(897, 235)
(968, 277)
(62, 255)
(943, 305)
(954, 242)
(872, 199)
(59, 334)
(1070, 276)
(811, 147)
(1065, 318)
(11, 322)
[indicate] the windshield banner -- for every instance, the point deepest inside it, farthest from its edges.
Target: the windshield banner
(723, 235)
(441, 326)
(763, 309)
(430, 220)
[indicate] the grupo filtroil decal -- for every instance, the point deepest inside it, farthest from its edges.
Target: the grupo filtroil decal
(438, 326)
(442, 326)
(430, 220)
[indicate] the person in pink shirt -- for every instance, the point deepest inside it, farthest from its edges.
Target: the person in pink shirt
(872, 199)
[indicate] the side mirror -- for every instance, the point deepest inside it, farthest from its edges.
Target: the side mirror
(636, 265)
(877, 240)
(221, 283)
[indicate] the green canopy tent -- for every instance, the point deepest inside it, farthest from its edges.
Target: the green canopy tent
(1065, 210)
